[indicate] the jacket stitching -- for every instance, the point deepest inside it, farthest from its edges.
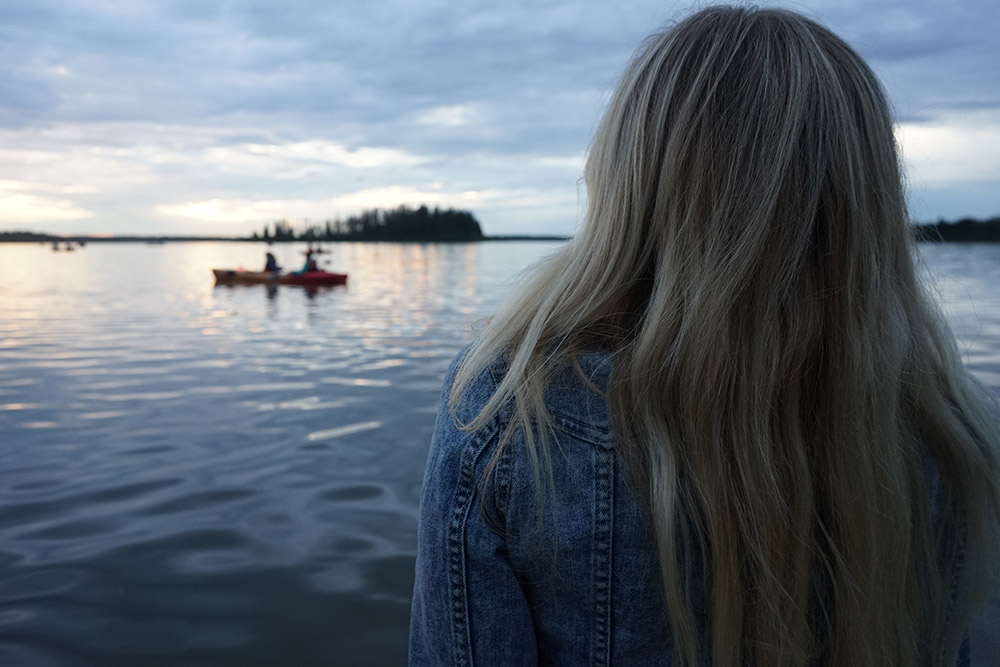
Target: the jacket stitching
(458, 585)
(604, 485)
(577, 428)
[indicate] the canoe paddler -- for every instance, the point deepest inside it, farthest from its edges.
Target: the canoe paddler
(310, 264)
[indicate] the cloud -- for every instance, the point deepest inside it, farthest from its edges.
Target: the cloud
(24, 203)
(574, 163)
(952, 149)
(173, 112)
(254, 211)
(454, 115)
(315, 151)
(952, 164)
(11, 185)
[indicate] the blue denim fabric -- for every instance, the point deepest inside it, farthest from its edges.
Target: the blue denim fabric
(502, 579)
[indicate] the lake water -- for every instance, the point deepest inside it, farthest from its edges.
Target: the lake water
(201, 475)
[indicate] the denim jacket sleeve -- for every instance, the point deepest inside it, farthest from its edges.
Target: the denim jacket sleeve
(468, 607)
(505, 577)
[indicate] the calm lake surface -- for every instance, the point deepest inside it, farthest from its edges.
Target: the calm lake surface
(201, 475)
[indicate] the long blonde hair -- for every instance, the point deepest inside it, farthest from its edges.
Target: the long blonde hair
(782, 391)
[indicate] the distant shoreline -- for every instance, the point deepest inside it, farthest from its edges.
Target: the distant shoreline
(965, 230)
(402, 224)
(32, 237)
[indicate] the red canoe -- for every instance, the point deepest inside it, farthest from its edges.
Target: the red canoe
(313, 278)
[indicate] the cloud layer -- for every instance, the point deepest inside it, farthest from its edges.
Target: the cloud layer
(190, 117)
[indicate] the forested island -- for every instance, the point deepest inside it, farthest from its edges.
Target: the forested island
(398, 224)
(28, 237)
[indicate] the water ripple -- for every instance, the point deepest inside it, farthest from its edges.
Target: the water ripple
(201, 476)
(340, 431)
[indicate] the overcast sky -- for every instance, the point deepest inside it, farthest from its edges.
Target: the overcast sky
(216, 116)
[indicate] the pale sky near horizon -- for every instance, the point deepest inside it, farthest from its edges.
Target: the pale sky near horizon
(198, 117)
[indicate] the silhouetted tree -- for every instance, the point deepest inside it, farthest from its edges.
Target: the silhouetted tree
(398, 224)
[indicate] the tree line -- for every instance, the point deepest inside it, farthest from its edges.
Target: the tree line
(966, 229)
(399, 224)
(423, 224)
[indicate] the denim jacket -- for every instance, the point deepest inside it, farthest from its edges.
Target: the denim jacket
(503, 579)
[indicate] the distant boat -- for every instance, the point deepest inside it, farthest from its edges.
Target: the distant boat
(306, 278)
(242, 277)
(309, 278)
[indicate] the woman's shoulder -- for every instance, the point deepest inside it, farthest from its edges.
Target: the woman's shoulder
(575, 392)
(478, 390)
(576, 396)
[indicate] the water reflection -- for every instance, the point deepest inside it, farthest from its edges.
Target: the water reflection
(965, 276)
(230, 475)
(195, 471)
